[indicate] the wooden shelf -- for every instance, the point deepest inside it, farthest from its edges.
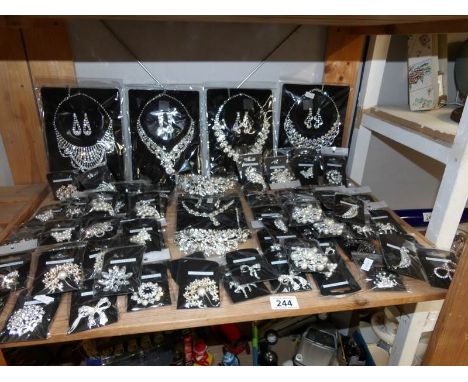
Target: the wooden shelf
(170, 318)
(435, 124)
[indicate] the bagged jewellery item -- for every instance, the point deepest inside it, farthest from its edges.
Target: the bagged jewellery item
(82, 127)
(278, 228)
(239, 122)
(101, 204)
(121, 271)
(349, 209)
(63, 184)
(376, 275)
(279, 174)
(60, 232)
(439, 266)
(364, 231)
(88, 312)
(305, 164)
(198, 284)
(384, 223)
(153, 291)
(203, 186)
(164, 128)
(96, 229)
(250, 170)
(174, 264)
(260, 199)
(327, 197)
(304, 213)
(307, 256)
(288, 281)
(210, 213)
(98, 179)
(350, 243)
(30, 319)
(334, 169)
(249, 266)
(239, 292)
(312, 115)
(46, 214)
(145, 232)
(4, 294)
(147, 205)
(271, 211)
(340, 282)
(75, 209)
(269, 243)
(59, 270)
(24, 239)
(400, 255)
(14, 271)
(328, 227)
(93, 256)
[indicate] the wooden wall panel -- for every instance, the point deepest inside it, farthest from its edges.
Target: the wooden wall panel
(342, 66)
(19, 120)
(449, 341)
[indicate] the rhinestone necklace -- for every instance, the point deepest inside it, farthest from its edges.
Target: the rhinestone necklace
(220, 128)
(298, 140)
(210, 215)
(84, 158)
(167, 157)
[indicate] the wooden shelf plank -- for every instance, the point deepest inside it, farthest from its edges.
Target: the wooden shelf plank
(435, 124)
(170, 318)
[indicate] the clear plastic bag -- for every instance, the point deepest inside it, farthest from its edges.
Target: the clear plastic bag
(239, 123)
(334, 170)
(198, 284)
(24, 239)
(305, 164)
(304, 213)
(121, 271)
(30, 319)
(93, 257)
(14, 271)
(439, 266)
(279, 173)
(97, 179)
(250, 170)
(145, 232)
(328, 227)
(95, 229)
(239, 292)
(60, 232)
(307, 256)
(249, 266)
(82, 127)
(101, 204)
(46, 214)
(384, 223)
(153, 291)
(59, 270)
(288, 281)
(349, 209)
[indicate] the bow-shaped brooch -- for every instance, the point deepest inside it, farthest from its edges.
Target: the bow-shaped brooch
(91, 312)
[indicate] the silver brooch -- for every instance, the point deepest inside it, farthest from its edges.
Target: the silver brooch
(253, 176)
(141, 237)
(73, 212)
(446, 270)
(405, 258)
(252, 270)
(62, 235)
(309, 173)
(167, 158)
(66, 192)
(386, 228)
(329, 227)
(363, 230)
(281, 225)
(334, 177)
(352, 212)
(242, 288)
(90, 312)
(10, 280)
(115, 278)
(281, 175)
(210, 215)
(144, 209)
(148, 293)
(210, 241)
(292, 282)
(106, 187)
(198, 291)
(220, 129)
(45, 215)
(310, 259)
(25, 320)
(307, 214)
(99, 205)
(298, 140)
(97, 230)
(56, 278)
(205, 186)
(85, 158)
(383, 280)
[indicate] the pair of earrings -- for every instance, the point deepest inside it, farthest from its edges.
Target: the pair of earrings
(77, 129)
(246, 124)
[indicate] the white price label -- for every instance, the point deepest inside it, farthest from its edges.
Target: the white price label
(367, 264)
(427, 216)
(284, 302)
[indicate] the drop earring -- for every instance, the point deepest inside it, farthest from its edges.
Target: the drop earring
(86, 125)
(76, 128)
(309, 119)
